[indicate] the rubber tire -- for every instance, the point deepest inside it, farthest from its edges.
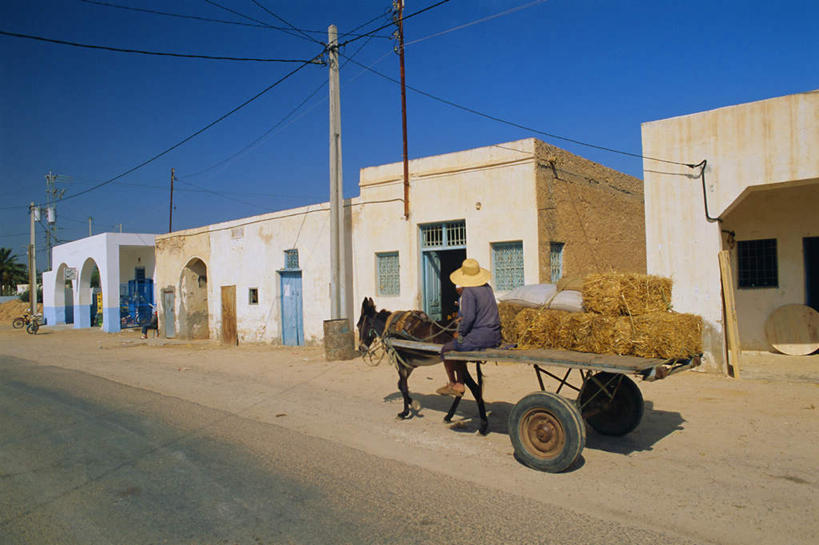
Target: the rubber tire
(547, 406)
(32, 328)
(18, 323)
(618, 416)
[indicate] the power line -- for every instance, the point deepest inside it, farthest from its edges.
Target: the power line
(283, 119)
(206, 19)
(518, 125)
(200, 131)
(140, 52)
(286, 22)
(249, 18)
(404, 18)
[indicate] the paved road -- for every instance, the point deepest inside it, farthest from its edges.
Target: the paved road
(85, 460)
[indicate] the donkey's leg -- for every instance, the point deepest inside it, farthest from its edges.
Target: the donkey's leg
(403, 375)
(477, 392)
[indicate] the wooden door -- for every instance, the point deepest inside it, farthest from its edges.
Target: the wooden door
(291, 307)
(229, 331)
(169, 316)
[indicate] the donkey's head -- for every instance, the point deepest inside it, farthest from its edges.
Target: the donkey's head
(367, 327)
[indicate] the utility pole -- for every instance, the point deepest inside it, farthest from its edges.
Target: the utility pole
(170, 221)
(337, 238)
(398, 7)
(32, 261)
(120, 227)
(53, 195)
(90, 219)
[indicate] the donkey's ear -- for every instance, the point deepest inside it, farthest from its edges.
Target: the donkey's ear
(372, 303)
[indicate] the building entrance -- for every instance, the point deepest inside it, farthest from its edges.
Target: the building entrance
(810, 246)
(443, 249)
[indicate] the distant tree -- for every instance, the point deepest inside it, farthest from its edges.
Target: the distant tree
(11, 272)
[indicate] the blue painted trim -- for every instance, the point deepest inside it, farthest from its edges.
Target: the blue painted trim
(110, 320)
(82, 316)
(54, 315)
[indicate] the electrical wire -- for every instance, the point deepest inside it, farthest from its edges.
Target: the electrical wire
(282, 120)
(307, 36)
(197, 133)
(404, 18)
(514, 124)
(141, 52)
(249, 18)
(206, 19)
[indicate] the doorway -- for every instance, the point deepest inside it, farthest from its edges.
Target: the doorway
(230, 334)
(291, 308)
(810, 248)
(443, 249)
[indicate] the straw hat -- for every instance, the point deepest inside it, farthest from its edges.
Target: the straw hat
(470, 275)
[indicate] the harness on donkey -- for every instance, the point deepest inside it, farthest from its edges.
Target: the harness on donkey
(414, 325)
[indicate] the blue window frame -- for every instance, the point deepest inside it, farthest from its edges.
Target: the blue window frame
(388, 273)
(507, 265)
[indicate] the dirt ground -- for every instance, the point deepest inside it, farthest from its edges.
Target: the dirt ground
(715, 459)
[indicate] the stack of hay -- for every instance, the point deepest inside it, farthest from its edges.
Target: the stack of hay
(625, 313)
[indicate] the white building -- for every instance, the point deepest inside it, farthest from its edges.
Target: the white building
(760, 201)
(119, 258)
(527, 211)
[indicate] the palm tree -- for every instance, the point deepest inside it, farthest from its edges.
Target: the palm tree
(11, 272)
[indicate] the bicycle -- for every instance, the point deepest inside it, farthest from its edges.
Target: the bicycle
(21, 321)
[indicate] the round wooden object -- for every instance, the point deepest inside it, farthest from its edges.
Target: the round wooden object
(793, 330)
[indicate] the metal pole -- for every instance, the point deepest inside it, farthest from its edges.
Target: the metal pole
(32, 265)
(399, 6)
(336, 194)
(170, 221)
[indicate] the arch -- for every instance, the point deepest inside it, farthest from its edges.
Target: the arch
(193, 300)
(63, 302)
(83, 293)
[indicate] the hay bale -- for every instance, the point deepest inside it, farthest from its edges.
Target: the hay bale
(667, 335)
(508, 312)
(539, 328)
(626, 294)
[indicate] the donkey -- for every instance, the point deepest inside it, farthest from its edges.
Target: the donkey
(414, 325)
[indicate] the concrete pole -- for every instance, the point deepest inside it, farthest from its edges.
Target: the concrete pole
(170, 220)
(32, 265)
(89, 225)
(337, 281)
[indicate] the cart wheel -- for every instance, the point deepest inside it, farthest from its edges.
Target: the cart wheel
(18, 323)
(32, 328)
(616, 411)
(547, 432)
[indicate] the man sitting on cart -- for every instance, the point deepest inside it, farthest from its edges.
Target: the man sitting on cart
(478, 322)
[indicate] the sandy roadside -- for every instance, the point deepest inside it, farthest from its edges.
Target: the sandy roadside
(716, 459)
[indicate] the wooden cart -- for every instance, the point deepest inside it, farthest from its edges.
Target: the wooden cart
(547, 429)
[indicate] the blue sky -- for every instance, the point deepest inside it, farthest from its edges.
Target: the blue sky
(587, 70)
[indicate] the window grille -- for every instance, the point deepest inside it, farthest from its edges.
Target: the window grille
(444, 235)
(556, 261)
(756, 263)
(253, 296)
(507, 265)
(388, 270)
(291, 259)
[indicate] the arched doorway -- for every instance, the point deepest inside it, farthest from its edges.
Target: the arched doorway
(63, 303)
(87, 311)
(193, 300)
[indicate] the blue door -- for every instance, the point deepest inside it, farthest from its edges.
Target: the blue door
(292, 321)
(169, 316)
(432, 285)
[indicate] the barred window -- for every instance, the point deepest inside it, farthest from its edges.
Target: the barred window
(291, 259)
(388, 272)
(756, 263)
(450, 234)
(507, 265)
(253, 296)
(556, 261)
